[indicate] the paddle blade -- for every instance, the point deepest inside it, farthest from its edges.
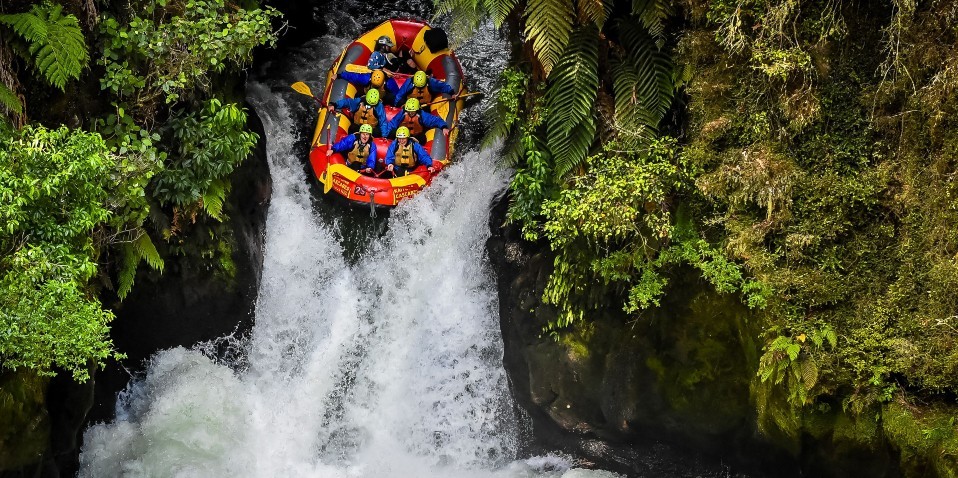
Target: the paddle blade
(302, 88)
(328, 183)
(352, 68)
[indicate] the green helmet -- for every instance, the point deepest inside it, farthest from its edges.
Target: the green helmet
(412, 104)
(419, 79)
(366, 128)
(372, 97)
(402, 132)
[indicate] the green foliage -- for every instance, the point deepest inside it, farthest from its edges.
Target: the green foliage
(570, 100)
(509, 105)
(55, 190)
(10, 101)
(56, 46)
(595, 11)
(643, 86)
(549, 24)
(612, 230)
(131, 253)
(162, 55)
(653, 15)
(530, 185)
(210, 144)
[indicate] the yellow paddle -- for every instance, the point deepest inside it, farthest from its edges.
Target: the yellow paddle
(352, 68)
(328, 184)
(303, 89)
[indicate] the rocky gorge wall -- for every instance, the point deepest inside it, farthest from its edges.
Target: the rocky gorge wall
(628, 393)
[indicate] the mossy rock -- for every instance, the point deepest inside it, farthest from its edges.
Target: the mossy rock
(24, 423)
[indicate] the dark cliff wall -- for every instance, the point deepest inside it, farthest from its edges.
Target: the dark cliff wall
(665, 393)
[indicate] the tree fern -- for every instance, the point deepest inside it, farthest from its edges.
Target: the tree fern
(595, 11)
(643, 83)
(548, 25)
(56, 45)
(127, 271)
(652, 14)
(144, 248)
(10, 101)
(214, 197)
(570, 101)
(573, 149)
(499, 9)
(465, 16)
(131, 253)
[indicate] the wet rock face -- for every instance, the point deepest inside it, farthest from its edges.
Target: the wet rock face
(666, 391)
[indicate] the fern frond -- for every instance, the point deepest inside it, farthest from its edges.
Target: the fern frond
(643, 84)
(573, 149)
(652, 14)
(499, 9)
(464, 17)
(214, 197)
(57, 46)
(809, 373)
(595, 11)
(129, 259)
(570, 100)
(146, 250)
(10, 101)
(29, 26)
(548, 25)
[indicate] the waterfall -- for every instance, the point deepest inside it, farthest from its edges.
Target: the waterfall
(389, 365)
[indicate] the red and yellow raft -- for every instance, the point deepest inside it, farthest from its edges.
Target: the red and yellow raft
(332, 171)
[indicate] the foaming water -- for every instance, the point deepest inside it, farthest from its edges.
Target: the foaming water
(387, 366)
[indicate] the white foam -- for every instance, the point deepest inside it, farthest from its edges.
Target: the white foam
(388, 367)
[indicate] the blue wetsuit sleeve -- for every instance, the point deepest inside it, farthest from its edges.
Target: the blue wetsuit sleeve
(391, 154)
(439, 86)
(430, 120)
(403, 92)
(381, 116)
(392, 86)
(345, 144)
(351, 103)
(422, 155)
(371, 160)
(359, 79)
(394, 124)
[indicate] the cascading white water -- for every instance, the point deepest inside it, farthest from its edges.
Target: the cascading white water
(387, 367)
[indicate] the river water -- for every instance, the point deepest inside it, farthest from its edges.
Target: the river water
(376, 349)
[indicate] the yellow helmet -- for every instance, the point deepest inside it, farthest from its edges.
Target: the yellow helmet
(366, 128)
(412, 104)
(402, 132)
(372, 97)
(377, 78)
(419, 79)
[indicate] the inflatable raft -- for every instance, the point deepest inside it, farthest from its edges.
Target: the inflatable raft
(332, 172)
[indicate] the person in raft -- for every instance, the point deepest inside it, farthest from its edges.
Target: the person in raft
(359, 148)
(423, 88)
(416, 121)
(405, 153)
(376, 79)
(378, 58)
(366, 110)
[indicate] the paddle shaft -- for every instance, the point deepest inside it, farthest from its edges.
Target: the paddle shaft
(453, 98)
